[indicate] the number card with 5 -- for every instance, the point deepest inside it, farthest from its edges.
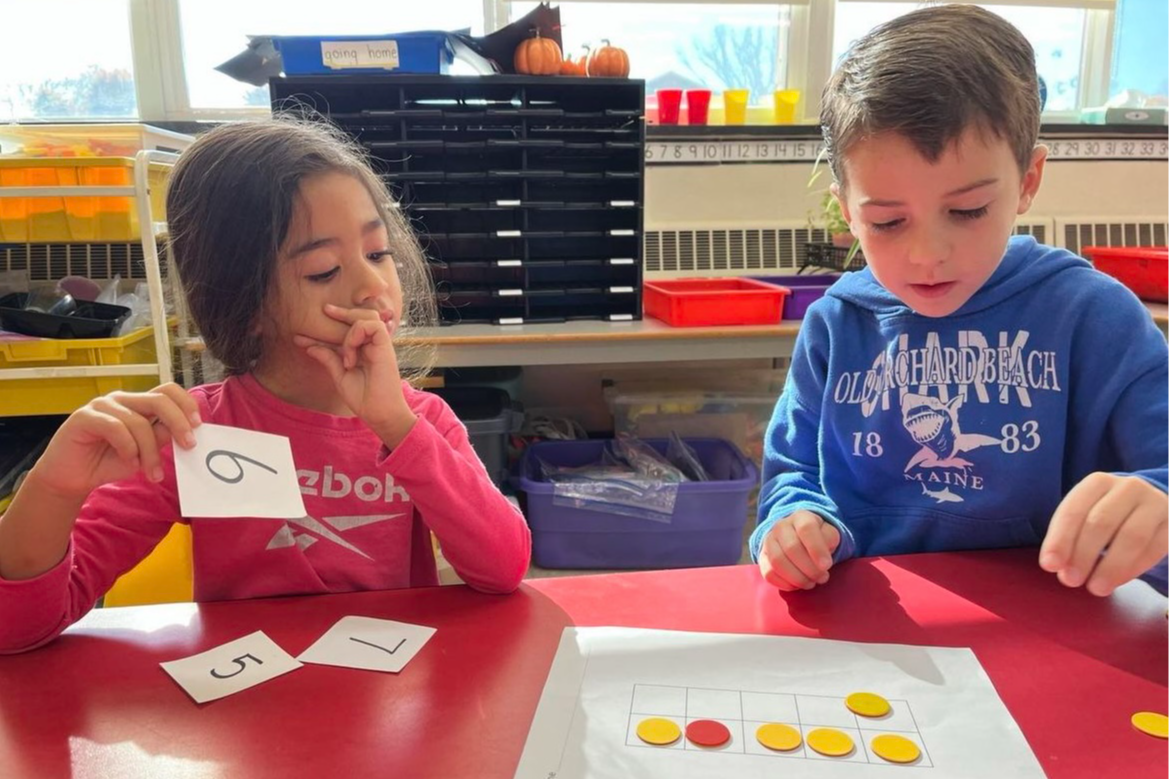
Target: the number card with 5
(231, 667)
(238, 473)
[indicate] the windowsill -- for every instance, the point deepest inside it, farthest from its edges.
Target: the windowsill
(804, 131)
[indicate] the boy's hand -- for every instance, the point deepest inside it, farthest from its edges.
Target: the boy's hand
(1108, 530)
(797, 553)
(112, 437)
(364, 368)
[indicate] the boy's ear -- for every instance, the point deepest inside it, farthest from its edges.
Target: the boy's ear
(834, 188)
(1032, 178)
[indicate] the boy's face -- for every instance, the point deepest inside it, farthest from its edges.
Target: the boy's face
(933, 233)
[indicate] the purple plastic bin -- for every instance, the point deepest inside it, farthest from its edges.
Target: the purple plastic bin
(805, 290)
(706, 529)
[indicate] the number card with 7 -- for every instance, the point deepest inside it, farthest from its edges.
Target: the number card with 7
(238, 473)
(368, 643)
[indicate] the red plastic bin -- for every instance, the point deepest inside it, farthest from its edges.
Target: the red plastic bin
(718, 301)
(1143, 269)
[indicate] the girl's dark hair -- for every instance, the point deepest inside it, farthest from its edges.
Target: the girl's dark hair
(229, 204)
(929, 76)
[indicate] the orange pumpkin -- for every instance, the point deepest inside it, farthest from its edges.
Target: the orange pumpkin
(538, 57)
(608, 61)
(572, 67)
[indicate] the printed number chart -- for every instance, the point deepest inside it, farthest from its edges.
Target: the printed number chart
(649, 703)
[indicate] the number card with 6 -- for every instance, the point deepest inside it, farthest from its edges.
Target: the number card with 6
(238, 473)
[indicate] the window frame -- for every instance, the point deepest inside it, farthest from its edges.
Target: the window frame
(161, 86)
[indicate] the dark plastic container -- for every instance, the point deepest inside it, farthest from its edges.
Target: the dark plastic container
(89, 320)
(805, 290)
(706, 529)
(489, 417)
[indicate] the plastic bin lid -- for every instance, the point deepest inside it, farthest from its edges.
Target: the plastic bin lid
(474, 404)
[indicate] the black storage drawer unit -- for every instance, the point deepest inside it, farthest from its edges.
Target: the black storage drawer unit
(527, 192)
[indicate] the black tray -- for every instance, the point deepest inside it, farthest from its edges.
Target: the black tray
(89, 320)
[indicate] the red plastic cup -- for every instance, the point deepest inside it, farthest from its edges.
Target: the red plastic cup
(669, 105)
(697, 105)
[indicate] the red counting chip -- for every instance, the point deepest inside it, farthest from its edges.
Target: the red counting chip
(707, 733)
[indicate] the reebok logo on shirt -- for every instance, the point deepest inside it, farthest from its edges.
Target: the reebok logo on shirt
(334, 484)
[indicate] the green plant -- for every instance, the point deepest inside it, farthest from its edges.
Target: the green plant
(831, 217)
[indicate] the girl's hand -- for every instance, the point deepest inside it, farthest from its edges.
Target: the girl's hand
(1108, 530)
(115, 436)
(364, 367)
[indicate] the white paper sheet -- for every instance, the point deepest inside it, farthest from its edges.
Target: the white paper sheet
(237, 473)
(604, 681)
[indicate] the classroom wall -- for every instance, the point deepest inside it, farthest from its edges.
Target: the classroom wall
(761, 195)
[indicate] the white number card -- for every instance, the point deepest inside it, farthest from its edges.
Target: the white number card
(368, 643)
(231, 667)
(237, 473)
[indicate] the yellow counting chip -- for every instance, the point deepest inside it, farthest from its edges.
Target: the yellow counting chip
(782, 738)
(1152, 723)
(829, 741)
(895, 749)
(867, 704)
(658, 731)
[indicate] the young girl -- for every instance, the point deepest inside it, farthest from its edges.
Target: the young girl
(299, 276)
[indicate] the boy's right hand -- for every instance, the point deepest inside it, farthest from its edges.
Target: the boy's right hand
(797, 553)
(113, 437)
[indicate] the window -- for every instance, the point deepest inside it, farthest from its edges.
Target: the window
(214, 31)
(1057, 35)
(80, 69)
(62, 59)
(1140, 54)
(716, 45)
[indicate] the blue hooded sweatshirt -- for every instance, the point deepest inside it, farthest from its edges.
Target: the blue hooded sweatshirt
(918, 434)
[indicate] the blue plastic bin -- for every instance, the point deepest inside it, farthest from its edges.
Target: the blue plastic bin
(805, 290)
(418, 52)
(706, 529)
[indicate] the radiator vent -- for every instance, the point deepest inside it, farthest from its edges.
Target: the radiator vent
(48, 261)
(718, 251)
(1074, 233)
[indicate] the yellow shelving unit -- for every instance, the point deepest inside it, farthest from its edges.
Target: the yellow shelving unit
(55, 377)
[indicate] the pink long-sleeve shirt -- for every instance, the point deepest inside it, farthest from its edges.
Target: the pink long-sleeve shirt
(369, 512)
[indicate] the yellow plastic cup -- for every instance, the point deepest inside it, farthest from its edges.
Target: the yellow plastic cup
(786, 101)
(735, 102)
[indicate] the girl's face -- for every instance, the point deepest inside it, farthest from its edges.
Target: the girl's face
(336, 252)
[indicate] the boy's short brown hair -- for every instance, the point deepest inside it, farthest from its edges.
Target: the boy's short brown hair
(929, 76)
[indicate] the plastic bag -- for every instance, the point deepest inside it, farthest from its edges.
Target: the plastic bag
(681, 455)
(645, 459)
(631, 479)
(137, 301)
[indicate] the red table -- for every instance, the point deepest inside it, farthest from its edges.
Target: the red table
(1071, 668)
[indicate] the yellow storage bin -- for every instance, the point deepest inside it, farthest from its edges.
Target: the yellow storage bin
(64, 395)
(75, 219)
(88, 139)
(166, 575)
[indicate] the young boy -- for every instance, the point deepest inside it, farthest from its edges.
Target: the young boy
(968, 390)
